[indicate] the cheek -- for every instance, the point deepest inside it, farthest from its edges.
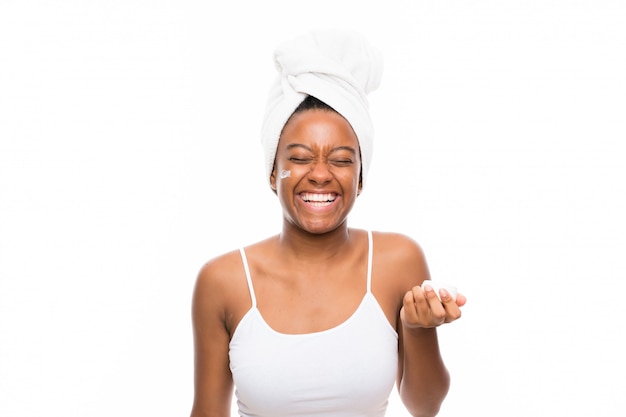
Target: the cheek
(352, 174)
(287, 171)
(284, 174)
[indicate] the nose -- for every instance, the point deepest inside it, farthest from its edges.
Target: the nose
(320, 173)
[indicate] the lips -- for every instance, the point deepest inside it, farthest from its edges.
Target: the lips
(318, 199)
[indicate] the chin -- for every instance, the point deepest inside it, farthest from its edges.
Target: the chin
(321, 229)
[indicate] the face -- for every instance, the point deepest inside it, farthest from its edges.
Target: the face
(321, 152)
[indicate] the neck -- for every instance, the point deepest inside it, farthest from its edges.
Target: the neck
(315, 247)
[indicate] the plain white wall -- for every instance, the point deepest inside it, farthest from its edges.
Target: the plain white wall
(129, 155)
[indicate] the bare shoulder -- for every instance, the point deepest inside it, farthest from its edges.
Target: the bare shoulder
(221, 291)
(217, 273)
(402, 256)
(219, 285)
(398, 247)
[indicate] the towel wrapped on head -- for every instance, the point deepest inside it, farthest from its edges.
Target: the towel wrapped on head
(337, 67)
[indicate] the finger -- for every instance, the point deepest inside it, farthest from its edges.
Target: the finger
(446, 297)
(461, 300)
(408, 307)
(452, 310)
(433, 310)
(423, 300)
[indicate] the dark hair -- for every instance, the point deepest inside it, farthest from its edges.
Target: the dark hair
(310, 103)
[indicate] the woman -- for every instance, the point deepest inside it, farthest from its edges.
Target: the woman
(321, 319)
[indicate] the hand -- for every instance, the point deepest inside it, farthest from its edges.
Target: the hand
(422, 309)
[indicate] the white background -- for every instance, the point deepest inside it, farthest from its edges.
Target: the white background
(129, 155)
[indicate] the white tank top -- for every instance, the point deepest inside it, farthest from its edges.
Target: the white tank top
(346, 371)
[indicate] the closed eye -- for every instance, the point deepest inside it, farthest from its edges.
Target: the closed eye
(299, 160)
(341, 162)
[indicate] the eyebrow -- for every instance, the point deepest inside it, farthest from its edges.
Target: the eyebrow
(338, 148)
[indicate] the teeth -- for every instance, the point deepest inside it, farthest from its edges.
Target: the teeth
(318, 198)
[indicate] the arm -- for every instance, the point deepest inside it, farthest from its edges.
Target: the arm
(423, 380)
(213, 384)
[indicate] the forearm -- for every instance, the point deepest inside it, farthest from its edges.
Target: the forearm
(424, 381)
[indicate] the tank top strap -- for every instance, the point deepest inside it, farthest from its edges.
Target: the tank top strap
(370, 255)
(244, 259)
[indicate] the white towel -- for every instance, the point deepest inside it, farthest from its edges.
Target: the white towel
(339, 68)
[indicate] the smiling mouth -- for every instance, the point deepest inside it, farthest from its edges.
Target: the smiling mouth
(318, 200)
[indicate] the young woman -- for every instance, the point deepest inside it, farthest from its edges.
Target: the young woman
(320, 319)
